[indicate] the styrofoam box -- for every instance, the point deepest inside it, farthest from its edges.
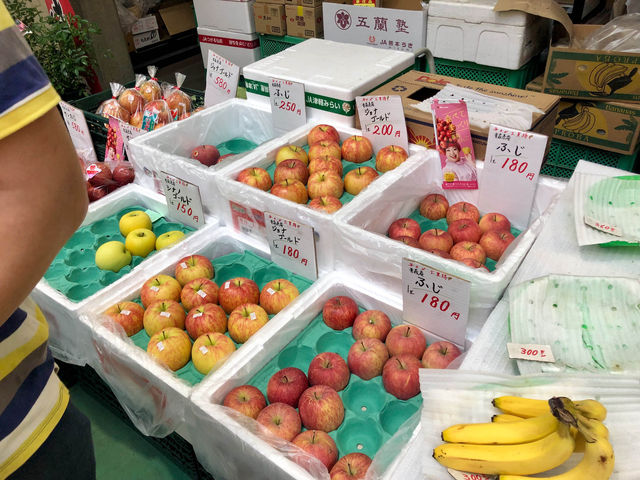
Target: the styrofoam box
(239, 48)
(333, 74)
(229, 451)
(154, 398)
(251, 203)
(471, 31)
(227, 15)
(361, 244)
(67, 339)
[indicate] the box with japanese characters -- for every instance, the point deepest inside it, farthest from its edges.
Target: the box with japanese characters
(239, 48)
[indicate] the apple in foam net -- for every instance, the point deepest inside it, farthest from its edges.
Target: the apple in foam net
(210, 350)
(293, 169)
(436, 239)
(367, 357)
(464, 230)
(495, 243)
(400, 376)
(371, 324)
(112, 256)
(440, 355)
(406, 339)
(434, 206)
(288, 152)
(357, 149)
(326, 183)
(277, 294)
(324, 148)
(390, 157)
(246, 399)
(237, 291)
(171, 347)
(404, 227)
(339, 312)
(292, 190)
(461, 210)
(358, 179)
(140, 242)
(246, 320)
(198, 292)
(326, 204)
(318, 444)
(471, 250)
(192, 267)
(322, 132)
(162, 314)
(352, 466)
(169, 238)
(133, 220)
(470, 262)
(494, 222)
(329, 369)
(204, 319)
(255, 177)
(280, 419)
(321, 408)
(322, 164)
(160, 287)
(128, 315)
(286, 386)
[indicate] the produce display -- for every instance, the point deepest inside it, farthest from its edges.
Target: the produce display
(103, 178)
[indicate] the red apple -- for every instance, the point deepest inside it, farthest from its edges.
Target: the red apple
(471, 250)
(160, 287)
(255, 177)
(288, 152)
(400, 376)
(207, 155)
(406, 339)
(292, 190)
(245, 320)
(163, 314)
(322, 164)
(461, 210)
(281, 419)
(123, 174)
(293, 169)
(367, 357)
(198, 292)
(390, 157)
(318, 444)
(404, 227)
(128, 315)
(99, 175)
(210, 351)
(237, 291)
(277, 294)
(358, 179)
(357, 149)
(96, 193)
(322, 132)
(440, 253)
(321, 408)
(325, 204)
(464, 230)
(171, 347)
(326, 183)
(494, 222)
(436, 239)
(204, 319)
(371, 324)
(192, 267)
(412, 242)
(439, 355)
(352, 466)
(470, 262)
(246, 399)
(286, 386)
(324, 148)
(434, 206)
(495, 243)
(329, 369)
(339, 312)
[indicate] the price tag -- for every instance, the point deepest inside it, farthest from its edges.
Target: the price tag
(537, 353)
(288, 109)
(79, 132)
(292, 245)
(127, 132)
(470, 476)
(510, 174)
(435, 301)
(603, 227)
(222, 79)
(183, 200)
(382, 120)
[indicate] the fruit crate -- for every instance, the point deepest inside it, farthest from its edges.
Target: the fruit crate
(96, 123)
(564, 156)
(272, 44)
(376, 423)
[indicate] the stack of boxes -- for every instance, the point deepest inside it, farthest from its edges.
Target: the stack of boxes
(270, 17)
(296, 18)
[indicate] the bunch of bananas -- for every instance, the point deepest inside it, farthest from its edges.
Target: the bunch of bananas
(529, 437)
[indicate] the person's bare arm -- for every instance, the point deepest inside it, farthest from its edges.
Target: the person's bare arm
(43, 199)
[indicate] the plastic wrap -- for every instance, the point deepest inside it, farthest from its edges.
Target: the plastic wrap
(178, 101)
(132, 100)
(150, 89)
(622, 34)
(452, 397)
(156, 113)
(111, 107)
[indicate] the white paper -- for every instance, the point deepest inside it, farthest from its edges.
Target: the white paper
(288, 109)
(292, 245)
(183, 200)
(222, 79)
(128, 132)
(79, 131)
(382, 120)
(537, 353)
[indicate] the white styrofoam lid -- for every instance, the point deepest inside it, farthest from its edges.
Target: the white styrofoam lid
(341, 69)
(477, 11)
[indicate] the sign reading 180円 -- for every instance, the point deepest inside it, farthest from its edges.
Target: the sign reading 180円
(435, 301)
(288, 109)
(292, 245)
(183, 200)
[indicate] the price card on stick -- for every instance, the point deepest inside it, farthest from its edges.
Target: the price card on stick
(435, 301)
(183, 200)
(382, 120)
(292, 245)
(222, 79)
(79, 131)
(128, 132)
(510, 174)
(288, 109)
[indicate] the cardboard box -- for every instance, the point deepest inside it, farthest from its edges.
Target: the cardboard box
(145, 24)
(145, 39)
(414, 87)
(178, 18)
(270, 19)
(226, 15)
(305, 22)
(275, 2)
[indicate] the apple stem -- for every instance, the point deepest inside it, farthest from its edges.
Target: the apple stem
(407, 332)
(351, 472)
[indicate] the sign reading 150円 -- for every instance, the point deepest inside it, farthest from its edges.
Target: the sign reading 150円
(183, 200)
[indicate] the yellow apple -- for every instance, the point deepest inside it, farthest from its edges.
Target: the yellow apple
(132, 220)
(169, 238)
(112, 256)
(140, 242)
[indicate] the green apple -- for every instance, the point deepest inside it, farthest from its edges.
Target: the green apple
(169, 238)
(140, 242)
(112, 256)
(132, 220)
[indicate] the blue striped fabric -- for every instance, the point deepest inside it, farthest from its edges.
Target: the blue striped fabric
(20, 81)
(12, 324)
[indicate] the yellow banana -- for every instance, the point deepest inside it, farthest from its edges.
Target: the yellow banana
(504, 418)
(523, 430)
(529, 407)
(591, 409)
(522, 459)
